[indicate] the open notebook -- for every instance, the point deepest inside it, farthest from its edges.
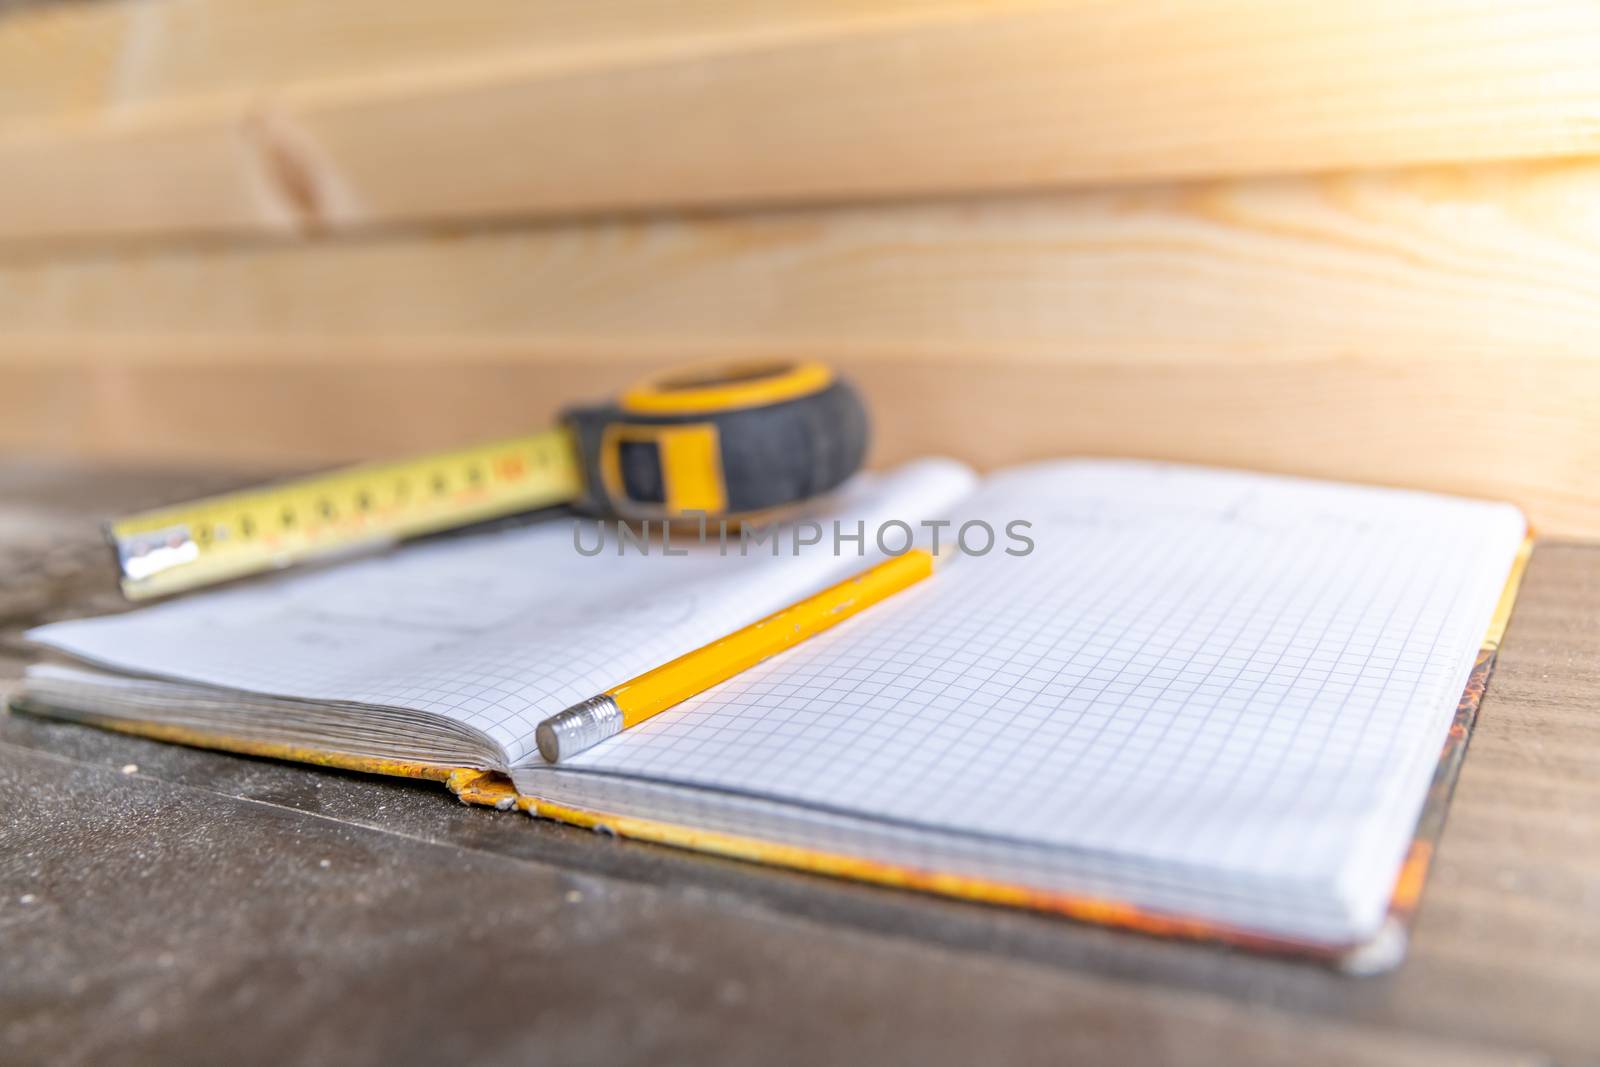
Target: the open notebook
(1206, 702)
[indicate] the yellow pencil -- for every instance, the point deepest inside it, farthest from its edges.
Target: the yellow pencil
(592, 721)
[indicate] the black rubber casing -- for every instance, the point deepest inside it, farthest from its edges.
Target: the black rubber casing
(772, 456)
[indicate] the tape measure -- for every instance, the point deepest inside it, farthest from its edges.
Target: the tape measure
(726, 441)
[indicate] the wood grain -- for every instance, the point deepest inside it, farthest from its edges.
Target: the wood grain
(953, 98)
(1432, 327)
(1500, 428)
(1429, 263)
(65, 60)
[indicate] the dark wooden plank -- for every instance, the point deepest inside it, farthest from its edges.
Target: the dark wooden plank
(161, 923)
(211, 863)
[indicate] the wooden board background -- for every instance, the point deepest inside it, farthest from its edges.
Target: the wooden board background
(790, 102)
(1355, 240)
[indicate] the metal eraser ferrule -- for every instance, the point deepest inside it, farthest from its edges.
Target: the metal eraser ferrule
(579, 727)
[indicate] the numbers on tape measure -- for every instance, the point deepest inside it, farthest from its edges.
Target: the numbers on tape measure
(239, 532)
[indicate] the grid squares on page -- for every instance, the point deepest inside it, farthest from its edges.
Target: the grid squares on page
(494, 631)
(1196, 690)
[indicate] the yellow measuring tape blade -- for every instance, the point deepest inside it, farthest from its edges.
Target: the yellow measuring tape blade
(176, 548)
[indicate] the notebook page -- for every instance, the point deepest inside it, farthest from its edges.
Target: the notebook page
(496, 631)
(1200, 669)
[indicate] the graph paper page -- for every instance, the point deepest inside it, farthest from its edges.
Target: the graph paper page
(496, 631)
(1201, 669)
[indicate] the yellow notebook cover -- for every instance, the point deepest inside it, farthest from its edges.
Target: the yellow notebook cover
(493, 790)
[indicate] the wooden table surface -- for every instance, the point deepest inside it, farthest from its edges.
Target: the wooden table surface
(164, 904)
